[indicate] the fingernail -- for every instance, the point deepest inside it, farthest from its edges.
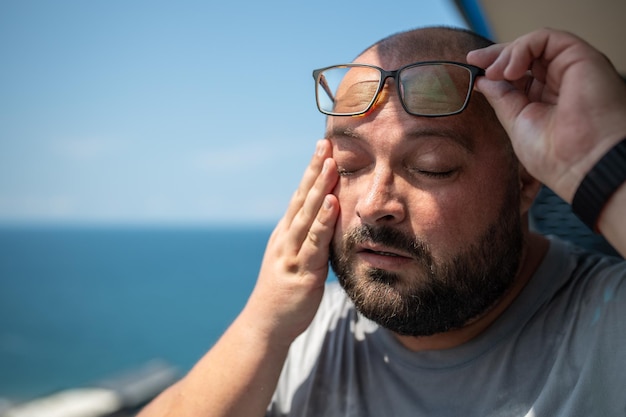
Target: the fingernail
(327, 204)
(325, 166)
(319, 149)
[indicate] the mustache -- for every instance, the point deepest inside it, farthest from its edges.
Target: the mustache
(389, 237)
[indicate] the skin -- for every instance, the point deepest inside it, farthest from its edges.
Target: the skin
(238, 375)
(442, 179)
(566, 119)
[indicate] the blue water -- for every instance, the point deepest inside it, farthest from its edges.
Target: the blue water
(81, 304)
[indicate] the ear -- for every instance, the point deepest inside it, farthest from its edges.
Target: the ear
(529, 188)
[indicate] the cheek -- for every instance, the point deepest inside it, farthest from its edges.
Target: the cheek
(447, 218)
(347, 203)
(453, 218)
(477, 197)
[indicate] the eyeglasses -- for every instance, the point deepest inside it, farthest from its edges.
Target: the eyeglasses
(432, 88)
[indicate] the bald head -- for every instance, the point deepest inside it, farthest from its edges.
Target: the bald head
(432, 43)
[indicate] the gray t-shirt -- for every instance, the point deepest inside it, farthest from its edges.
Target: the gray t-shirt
(558, 350)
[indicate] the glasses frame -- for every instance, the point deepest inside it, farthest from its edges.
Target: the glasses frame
(384, 74)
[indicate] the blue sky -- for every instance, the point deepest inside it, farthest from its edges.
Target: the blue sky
(183, 112)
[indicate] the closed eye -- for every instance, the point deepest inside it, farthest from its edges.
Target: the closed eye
(436, 174)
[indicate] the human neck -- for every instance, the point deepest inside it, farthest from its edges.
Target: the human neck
(535, 248)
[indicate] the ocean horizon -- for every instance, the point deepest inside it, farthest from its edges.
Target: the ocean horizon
(79, 304)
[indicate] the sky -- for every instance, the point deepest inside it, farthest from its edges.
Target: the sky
(179, 112)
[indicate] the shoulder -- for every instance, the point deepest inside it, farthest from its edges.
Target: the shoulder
(567, 265)
(593, 274)
(581, 324)
(588, 287)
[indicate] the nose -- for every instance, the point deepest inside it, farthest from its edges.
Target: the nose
(381, 203)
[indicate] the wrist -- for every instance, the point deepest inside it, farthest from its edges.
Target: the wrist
(611, 221)
(599, 184)
(268, 325)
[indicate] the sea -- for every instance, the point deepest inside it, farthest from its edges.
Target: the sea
(79, 304)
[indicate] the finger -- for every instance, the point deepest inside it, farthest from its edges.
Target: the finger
(510, 61)
(322, 151)
(505, 98)
(315, 248)
(303, 220)
(534, 52)
(486, 56)
(496, 63)
(520, 55)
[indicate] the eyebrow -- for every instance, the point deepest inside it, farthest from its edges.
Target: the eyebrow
(464, 141)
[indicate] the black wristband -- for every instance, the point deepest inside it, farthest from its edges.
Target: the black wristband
(599, 184)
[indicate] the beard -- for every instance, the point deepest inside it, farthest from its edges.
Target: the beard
(435, 296)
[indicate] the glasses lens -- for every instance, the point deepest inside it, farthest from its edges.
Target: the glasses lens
(345, 90)
(435, 89)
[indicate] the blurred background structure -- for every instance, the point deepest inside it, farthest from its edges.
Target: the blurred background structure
(600, 22)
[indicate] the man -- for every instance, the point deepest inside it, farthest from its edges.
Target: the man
(419, 200)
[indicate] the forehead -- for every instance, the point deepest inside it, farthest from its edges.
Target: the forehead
(429, 44)
(389, 127)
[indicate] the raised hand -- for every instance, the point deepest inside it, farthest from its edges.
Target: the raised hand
(561, 101)
(295, 265)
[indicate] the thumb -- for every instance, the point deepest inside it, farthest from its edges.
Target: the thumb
(506, 99)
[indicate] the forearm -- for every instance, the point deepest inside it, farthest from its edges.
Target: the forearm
(237, 377)
(612, 221)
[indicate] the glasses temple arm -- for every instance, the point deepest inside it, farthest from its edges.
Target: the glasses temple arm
(324, 85)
